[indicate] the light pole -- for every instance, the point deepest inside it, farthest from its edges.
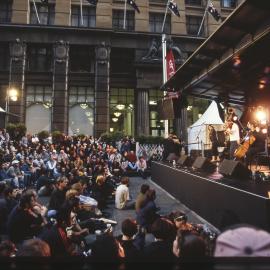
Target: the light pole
(11, 94)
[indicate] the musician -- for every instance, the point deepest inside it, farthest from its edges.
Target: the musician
(258, 145)
(214, 143)
(234, 135)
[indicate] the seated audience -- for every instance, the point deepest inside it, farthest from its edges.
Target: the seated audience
(141, 198)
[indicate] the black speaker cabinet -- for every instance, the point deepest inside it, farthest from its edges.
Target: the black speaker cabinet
(172, 156)
(184, 160)
(203, 163)
(234, 169)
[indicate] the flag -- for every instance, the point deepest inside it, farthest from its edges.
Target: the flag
(173, 8)
(212, 10)
(92, 2)
(133, 4)
(170, 64)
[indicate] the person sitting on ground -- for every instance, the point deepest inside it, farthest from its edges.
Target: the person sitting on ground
(148, 212)
(132, 245)
(34, 248)
(180, 220)
(58, 195)
(161, 249)
(141, 167)
(188, 245)
(122, 197)
(141, 198)
(23, 223)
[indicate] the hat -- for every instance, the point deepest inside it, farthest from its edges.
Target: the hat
(15, 162)
(243, 242)
(179, 216)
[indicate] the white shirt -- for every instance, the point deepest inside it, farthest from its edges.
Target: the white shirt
(234, 133)
(121, 196)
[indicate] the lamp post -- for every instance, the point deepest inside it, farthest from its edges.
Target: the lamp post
(11, 94)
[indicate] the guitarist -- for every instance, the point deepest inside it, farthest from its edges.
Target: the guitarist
(234, 135)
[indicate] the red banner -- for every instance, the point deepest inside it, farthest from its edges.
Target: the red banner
(170, 64)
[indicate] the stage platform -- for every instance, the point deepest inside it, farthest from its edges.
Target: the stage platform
(217, 199)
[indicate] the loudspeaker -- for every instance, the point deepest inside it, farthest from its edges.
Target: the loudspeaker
(234, 168)
(203, 163)
(172, 156)
(184, 160)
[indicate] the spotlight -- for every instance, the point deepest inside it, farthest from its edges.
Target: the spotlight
(260, 115)
(264, 130)
(236, 61)
(263, 122)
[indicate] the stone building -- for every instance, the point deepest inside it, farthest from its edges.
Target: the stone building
(87, 74)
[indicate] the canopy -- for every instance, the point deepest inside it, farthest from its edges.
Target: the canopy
(198, 132)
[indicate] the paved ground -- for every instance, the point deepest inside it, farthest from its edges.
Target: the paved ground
(164, 200)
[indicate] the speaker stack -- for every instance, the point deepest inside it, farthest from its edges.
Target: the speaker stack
(232, 168)
(203, 163)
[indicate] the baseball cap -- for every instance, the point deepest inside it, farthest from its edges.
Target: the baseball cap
(15, 161)
(243, 242)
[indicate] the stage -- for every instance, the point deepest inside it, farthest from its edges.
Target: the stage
(217, 199)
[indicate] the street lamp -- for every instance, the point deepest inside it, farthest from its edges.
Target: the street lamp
(12, 94)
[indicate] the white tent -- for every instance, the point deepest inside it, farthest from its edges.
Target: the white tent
(198, 137)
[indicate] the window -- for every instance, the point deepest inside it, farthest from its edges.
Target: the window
(118, 20)
(82, 95)
(156, 21)
(89, 16)
(193, 2)
(193, 25)
(228, 3)
(81, 59)
(46, 14)
(5, 11)
(39, 94)
(39, 58)
(122, 102)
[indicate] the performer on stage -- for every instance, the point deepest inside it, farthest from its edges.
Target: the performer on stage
(258, 145)
(234, 134)
(214, 143)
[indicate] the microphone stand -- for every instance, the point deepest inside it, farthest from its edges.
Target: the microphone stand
(198, 138)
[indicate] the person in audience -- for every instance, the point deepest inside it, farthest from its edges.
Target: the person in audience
(34, 248)
(16, 175)
(23, 223)
(161, 249)
(141, 198)
(148, 213)
(122, 198)
(7, 249)
(141, 167)
(132, 246)
(188, 245)
(58, 195)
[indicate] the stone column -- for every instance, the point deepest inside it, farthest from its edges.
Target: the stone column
(102, 87)
(60, 87)
(142, 112)
(16, 81)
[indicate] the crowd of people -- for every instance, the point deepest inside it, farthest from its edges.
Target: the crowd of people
(81, 177)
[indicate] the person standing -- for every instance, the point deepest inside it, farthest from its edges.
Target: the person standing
(214, 143)
(234, 134)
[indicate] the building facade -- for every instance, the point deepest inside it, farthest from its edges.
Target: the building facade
(78, 70)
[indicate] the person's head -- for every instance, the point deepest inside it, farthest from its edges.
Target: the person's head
(71, 193)
(144, 188)
(125, 180)
(129, 227)
(27, 201)
(163, 229)
(107, 249)
(100, 180)
(34, 248)
(189, 245)
(62, 182)
(9, 192)
(179, 218)
(243, 241)
(78, 187)
(63, 216)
